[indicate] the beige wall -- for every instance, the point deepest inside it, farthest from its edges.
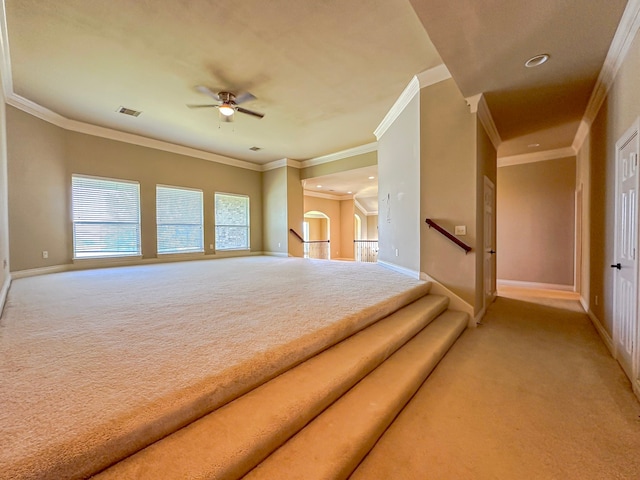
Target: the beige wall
(295, 205)
(399, 190)
(448, 176)
(347, 221)
(43, 157)
(583, 187)
(39, 192)
(372, 227)
(317, 229)
(4, 199)
(276, 236)
(331, 208)
(343, 165)
(536, 226)
(363, 222)
(617, 114)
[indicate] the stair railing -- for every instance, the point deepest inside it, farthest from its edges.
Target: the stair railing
(366, 250)
(447, 234)
(313, 248)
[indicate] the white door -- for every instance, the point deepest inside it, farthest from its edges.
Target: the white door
(625, 266)
(489, 241)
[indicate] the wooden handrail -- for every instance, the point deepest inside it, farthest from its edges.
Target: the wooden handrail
(296, 235)
(455, 240)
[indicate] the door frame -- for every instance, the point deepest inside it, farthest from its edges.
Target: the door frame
(487, 300)
(624, 140)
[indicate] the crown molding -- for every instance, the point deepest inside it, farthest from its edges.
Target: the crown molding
(398, 107)
(52, 117)
(332, 157)
(581, 135)
(536, 157)
(328, 196)
(433, 75)
(367, 213)
(421, 80)
(620, 45)
(478, 104)
(283, 162)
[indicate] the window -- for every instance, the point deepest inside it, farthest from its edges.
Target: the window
(179, 220)
(106, 217)
(232, 221)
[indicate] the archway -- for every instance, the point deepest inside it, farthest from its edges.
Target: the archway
(316, 233)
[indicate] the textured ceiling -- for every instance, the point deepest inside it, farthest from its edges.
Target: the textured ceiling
(324, 72)
(484, 44)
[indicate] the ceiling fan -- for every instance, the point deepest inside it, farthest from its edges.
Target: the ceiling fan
(229, 103)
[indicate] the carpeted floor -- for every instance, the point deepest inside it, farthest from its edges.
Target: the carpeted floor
(531, 394)
(95, 357)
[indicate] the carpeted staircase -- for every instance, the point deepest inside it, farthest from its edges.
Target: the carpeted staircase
(318, 419)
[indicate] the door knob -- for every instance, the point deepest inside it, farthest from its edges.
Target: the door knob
(617, 265)
(492, 252)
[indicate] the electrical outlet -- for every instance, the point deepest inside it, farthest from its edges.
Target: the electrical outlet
(211, 246)
(45, 254)
(396, 252)
(460, 230)
(278, 244)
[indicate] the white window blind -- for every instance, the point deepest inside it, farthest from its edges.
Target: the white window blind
(106, 217)
(232, 221)
(179, 218)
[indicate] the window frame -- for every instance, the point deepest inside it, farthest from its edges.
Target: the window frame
(97, 255)
(216, 226)
(201, 250)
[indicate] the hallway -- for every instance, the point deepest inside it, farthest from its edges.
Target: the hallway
(532, 393)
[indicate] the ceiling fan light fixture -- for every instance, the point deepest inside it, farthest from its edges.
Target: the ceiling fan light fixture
(537, 60)
(226, 109)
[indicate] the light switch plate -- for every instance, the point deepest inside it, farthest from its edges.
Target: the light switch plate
(461, 230)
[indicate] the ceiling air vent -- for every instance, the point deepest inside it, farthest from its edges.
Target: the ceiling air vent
(128, 111)
(255, 149)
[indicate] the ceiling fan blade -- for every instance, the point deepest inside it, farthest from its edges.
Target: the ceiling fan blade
(202, 106)
(244, 97)
(209, 92)
(250, 112)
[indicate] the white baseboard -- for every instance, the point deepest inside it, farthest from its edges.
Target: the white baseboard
(535, 285)
(4, 292)
(455, 301)
(276, 254)
(606, 338)
(32, 272)
(399, 269)
(90, 264)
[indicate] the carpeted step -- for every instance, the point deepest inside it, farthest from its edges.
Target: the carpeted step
(231, 440)
(334, 443)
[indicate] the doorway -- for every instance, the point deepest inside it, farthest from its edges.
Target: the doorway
(316, 231)
(489, 242)
(625, 265)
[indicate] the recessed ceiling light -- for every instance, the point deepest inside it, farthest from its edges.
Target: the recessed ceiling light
(533, 145)
(537, 60)
(319, 186)
(371, 178)
(349, 193)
